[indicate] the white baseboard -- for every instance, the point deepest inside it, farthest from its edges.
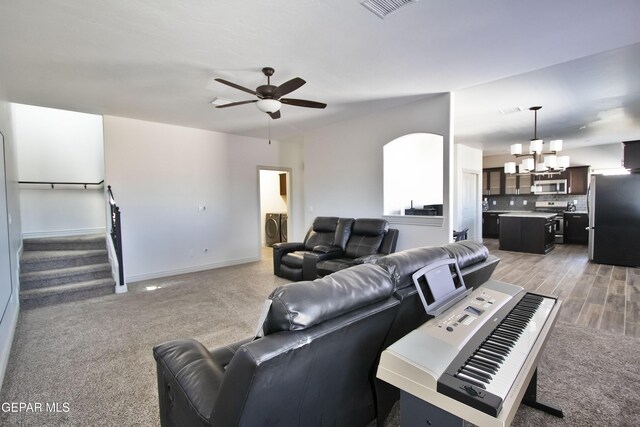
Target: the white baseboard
(64, 233)
(194, 269)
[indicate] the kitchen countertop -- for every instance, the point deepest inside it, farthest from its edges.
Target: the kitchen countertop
(577, 212)
(500, 211)
(516, 214)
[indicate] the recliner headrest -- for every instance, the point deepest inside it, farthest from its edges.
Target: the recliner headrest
(325, 223)
(467, 252)
(370, 226)
(401, 265)
(300, 305)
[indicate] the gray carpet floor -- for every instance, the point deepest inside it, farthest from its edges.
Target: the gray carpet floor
(95, 355)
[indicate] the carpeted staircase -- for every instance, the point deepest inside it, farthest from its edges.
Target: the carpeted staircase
(54, 270)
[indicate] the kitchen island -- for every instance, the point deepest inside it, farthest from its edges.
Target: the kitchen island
(531, 232)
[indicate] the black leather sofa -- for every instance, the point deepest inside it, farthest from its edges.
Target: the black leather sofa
(332, 244)
(313, 367)
(316, 363)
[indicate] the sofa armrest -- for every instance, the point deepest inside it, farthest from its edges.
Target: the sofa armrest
(188, 378)
(223, 355)
(389, 242)
(280, 250)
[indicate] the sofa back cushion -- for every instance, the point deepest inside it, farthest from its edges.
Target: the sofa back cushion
(300, 305)
(366, 237)
(322, 232)
(401, 265)
(467, 252)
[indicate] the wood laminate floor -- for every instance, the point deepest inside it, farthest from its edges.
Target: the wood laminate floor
(594, 296)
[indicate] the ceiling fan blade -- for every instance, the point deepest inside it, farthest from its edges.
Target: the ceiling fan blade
(233, 104)
(288, 87)
(303, 103)
(233, 85)
(275, 115)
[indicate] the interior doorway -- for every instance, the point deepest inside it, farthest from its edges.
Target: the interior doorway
(275, 204)
(469, 217)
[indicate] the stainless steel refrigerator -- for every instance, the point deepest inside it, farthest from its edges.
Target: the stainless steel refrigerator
(614, 220)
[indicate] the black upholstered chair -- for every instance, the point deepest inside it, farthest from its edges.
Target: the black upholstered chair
(288, 257)
(314, 366)
(369, 239)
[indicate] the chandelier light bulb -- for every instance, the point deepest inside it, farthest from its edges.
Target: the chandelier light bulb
(551, 161)
(510, 167)
(555, 145)
(535, 146)
(516, 149)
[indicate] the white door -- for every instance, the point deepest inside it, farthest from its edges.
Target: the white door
(5, 263)
(470, 204)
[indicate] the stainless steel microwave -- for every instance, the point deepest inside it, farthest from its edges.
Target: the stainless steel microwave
(554, 186)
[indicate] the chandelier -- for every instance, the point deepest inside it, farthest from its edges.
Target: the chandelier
(537, 162)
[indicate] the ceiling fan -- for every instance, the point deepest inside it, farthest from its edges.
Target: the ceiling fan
(269, 96)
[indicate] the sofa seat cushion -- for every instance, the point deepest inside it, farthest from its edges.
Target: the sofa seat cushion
(298, 306)
(294, 259)
(467, 252)
(330, 266)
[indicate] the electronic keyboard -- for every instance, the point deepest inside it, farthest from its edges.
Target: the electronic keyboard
(477, 359)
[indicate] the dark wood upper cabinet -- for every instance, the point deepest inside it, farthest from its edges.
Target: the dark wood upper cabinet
(283, 184)
(577, 179)
(492, 182)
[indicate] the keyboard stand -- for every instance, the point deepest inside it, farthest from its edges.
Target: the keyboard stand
(417, 412)
(531, 398)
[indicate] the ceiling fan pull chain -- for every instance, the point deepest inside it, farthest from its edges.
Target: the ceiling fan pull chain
(269, 121)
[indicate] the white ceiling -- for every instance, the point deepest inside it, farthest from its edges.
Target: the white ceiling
(156, 60)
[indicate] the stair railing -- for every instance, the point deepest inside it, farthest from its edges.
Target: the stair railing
(116, 234)
(54, 183)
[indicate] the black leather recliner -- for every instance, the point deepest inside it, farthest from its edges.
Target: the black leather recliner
(288, 257)
(314, 366)
(370, 238)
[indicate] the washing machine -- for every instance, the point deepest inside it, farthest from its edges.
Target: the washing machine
(272, 229)
(283, 227)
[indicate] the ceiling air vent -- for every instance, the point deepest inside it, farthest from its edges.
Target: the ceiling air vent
(383, 8)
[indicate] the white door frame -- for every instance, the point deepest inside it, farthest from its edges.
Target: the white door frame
(478, 203)
(289, 172)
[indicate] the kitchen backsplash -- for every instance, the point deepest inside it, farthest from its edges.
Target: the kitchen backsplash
(504, 202)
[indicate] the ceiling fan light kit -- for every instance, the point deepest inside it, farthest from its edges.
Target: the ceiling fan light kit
(268, 105)
(533, 163)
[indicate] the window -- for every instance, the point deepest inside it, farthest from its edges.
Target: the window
(413, 172)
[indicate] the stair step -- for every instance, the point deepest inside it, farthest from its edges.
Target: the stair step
(50, 260)
(39, 297)
(62, 276)
(82, 242)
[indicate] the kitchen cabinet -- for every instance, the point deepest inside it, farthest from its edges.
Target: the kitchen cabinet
(517, 185)
(491, 224)
(577, 179)
(575, 228)
(533, 233)
(492, 179)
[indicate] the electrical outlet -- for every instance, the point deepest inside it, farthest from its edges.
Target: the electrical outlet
(494, 203)
(510, 202)
(524, 203)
